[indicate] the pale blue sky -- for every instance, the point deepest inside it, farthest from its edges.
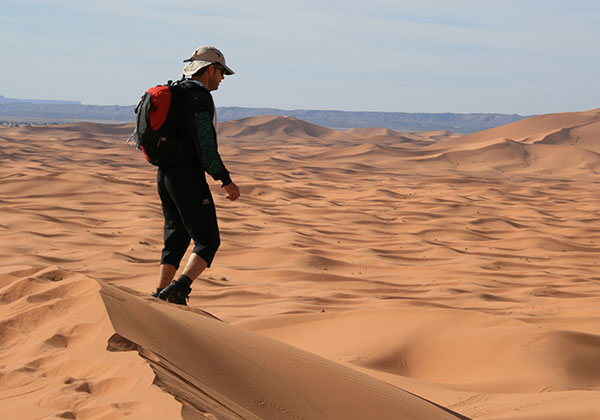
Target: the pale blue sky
(507, 56)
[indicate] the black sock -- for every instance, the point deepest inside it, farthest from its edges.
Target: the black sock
(184, 280)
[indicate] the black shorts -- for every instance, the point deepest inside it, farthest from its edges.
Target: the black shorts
(189, 213)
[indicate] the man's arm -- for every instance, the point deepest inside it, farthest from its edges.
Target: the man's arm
(198, 109)
(206, 146)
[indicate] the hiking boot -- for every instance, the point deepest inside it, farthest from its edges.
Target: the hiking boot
(155, 294)
(176, 292)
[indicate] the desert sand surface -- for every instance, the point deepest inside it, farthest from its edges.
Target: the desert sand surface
(363, 274)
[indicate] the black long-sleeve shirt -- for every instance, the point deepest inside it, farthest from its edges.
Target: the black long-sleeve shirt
(197, 136)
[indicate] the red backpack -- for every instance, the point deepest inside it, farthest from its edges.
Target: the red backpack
(156, 123)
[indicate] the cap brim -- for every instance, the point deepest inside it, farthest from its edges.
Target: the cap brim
(227, 71)
(193, 66)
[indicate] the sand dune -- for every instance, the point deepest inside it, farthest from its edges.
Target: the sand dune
(229, 372)
(444, 346)
(459, 269)
(510, 156)
(583, 136)
(526, 145)
(53, 338)
(531, 129)
(271, 125)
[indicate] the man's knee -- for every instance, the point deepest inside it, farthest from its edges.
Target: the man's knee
(207, 249)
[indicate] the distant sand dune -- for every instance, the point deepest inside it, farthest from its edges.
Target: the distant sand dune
(273, 126)
(534, 127)
(584, 136)
(509, 156)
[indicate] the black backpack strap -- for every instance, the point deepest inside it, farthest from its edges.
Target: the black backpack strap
(174, 118)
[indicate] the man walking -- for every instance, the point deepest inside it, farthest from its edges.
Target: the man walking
(187, 203)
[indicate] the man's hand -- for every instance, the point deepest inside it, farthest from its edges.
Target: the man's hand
(233, 192)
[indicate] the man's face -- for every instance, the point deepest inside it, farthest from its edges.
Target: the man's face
(215, 75)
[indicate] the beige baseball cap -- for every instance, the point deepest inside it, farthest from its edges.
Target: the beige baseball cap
(202, 57)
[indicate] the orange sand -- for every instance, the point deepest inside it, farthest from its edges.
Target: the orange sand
(386, 274)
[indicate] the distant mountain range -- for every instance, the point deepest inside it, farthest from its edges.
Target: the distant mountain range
(14, 110)
(5, 100)
(399, 121)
